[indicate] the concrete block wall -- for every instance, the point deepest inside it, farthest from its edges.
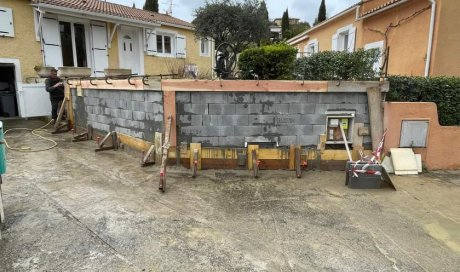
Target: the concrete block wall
(229, 118)
(130, 112)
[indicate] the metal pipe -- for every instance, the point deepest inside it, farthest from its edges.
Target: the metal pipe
(430, 38)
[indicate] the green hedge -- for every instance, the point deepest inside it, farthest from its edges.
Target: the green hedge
(444, 91)
(329, 65)
(268, 62)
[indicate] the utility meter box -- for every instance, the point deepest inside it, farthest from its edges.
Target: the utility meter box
(2, 151)
(335, 119)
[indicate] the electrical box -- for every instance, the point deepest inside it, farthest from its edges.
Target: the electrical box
(335, 119)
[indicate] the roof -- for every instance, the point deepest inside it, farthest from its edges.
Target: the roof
(304, 35)
(107, 8)
(379, 7)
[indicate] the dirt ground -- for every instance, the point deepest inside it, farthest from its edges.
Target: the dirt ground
(71, 209)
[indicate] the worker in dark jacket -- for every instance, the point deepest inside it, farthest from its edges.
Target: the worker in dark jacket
(55, 87)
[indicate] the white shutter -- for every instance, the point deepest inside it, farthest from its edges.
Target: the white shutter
(151, 42)
(181, 47)
(51, 39)
(6, 22)
(335, 38)
(306, 51)
(316, 47)
(99, 48)
(351, 39)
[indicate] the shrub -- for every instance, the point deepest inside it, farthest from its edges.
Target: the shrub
(268, 62)
(444, 91)
(328, 65)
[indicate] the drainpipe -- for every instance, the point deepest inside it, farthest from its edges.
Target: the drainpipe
(430, 38)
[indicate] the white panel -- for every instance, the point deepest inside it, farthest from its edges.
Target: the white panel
(413, 133)
(151, 40)
(51, 42)
(181, 47)
(99, 48)
(334, 42)
(6, 22)
(351, 39)
(35, 100)
(316, 47)
(376, 45)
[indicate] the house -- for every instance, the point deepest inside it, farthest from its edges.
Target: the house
(417, 37)
(276, 29)
(87, 33)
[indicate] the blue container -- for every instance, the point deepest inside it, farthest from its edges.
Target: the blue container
(2, 151)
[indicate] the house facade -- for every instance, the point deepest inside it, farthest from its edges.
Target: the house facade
(417, 37)
(89, 33)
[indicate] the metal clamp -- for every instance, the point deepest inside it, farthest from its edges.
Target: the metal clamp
(129, 81)
(91, 82)
(144, 78)
(106, 81)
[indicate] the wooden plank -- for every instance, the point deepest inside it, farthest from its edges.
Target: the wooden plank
(196, 146)
(250, 148)
(169, 107)
(291, 157)
(158, 142)
(164, 156)
(207, 164)
(322, 142)
(61, 113)
(272, 154)
(277, 164)
(134, 143)
(70, 114)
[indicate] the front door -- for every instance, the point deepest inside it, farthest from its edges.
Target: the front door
(129, 50)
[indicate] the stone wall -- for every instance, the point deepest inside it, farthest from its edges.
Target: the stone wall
(135, 113)
(232, 118)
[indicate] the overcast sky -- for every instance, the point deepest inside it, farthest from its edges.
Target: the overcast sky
(306, 10)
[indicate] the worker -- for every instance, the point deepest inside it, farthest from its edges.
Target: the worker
(55, 86)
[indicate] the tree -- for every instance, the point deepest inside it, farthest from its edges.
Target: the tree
(151, 5)
(321, 13)
(238, 23)
(265, 20)
(285, 25)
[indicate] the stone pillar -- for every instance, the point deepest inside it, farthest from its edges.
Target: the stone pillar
(374, 100)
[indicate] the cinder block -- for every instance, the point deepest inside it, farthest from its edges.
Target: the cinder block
(183, 97)
(362, 98)
(91, 101)
(231, 141)
(138, 115)
(308, 140)
(248, 108)
(313, 119)
(322, 108)
(287, 140)
(270, 130)
(282, 108)
(127, 114)
(209, 98)
(349, 98)
(212, 120)
(107, 111)
(151, 96)
(362, 118)
(248, 131)
(300, 130)
(115, 113)
(193, 131)
(92, 93)
(323, 98)
(153, 107)
(138, 105)
(220, 131)
(273, 98)
(261, 120)
(137, 134)
(157, 117)
(111, 103)
(206, 141)
(195, 109)
(319, 129)
(138, 96)
(191, 120)
(137, 125)
(103, 119)
(221, 109)
(238, 98)
(287, 120)
(268, 108)
(126, 95)
(301, 108)
(234, 120)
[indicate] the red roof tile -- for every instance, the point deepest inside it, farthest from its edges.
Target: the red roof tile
(384, 5)
(108, 8)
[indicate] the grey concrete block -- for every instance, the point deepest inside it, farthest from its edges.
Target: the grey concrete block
(138, 105)
(313, 119)
(299, 130)
(92, 101)
(367, 140)
(282, 108)
(287, 119)
(261, 120)
(220, 131)
(206, 141)
(157, 117)
(301, 108)
(137, 134)
(209, 98)
(293, 98)
(207, 131)
(137, 125)
(124, 131)
(362, 118)
(270, 130)
(103, 119)
(321, 98)
(127, 114)
(111, 103)
(153, 107)
(248, 108)
(362, 99)
(239, 98)
(154, 97)
(195, 109)
(191, 120)
(138, 96)
(115, 113)
(271, 98)
(91, 93)
(308, 140)
(183, 97)
(287, 140)
(234, 120)
(319, 129)
(126, 95)
(221, 109)
(107, 111)
(232, 141)
(248, 131)
(138, 115)
(212, 120)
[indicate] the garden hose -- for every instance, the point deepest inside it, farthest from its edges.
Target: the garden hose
(34, 132)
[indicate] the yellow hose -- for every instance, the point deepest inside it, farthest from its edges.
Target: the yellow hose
(27, 148)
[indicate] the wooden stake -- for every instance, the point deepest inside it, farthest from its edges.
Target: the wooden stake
(346, 143)
(164, 156)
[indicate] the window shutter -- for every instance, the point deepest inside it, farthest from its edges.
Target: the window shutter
(51, 40)
(99, 47)
(335, 38)
(351, 39)
(316, 47)
(181, 47)
(151, 40)
(6, 22)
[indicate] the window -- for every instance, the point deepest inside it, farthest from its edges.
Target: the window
(344, 39)
(378, 63)
(164, 44)
(204, 47)
(73, 44)
(6, 22)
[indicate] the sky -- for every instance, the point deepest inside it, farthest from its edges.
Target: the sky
(306, 10)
